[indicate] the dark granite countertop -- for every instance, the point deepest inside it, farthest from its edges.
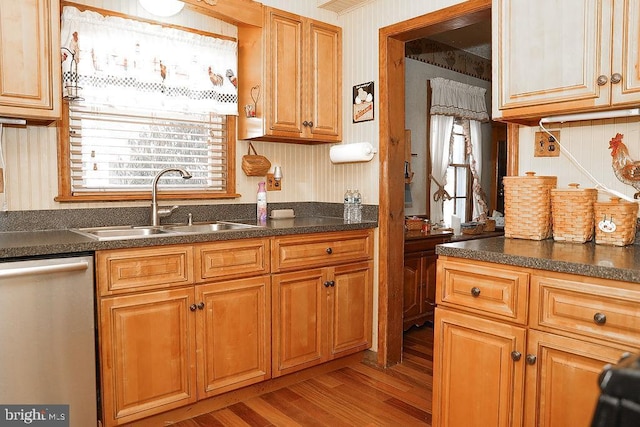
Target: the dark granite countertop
(586, 259)
(17, 244)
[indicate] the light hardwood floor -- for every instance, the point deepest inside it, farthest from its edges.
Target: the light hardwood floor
(357, 395)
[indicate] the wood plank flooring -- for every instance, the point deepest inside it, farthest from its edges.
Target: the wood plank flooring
(357, 395)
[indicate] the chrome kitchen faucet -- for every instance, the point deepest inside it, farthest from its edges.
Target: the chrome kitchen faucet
(157, 213)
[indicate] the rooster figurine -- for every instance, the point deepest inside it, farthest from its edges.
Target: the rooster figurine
(624, 167)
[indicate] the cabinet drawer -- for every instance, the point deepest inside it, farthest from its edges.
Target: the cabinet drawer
(597, 308)
(129, 270)
(317, 250)
(237, 258)
(482, 288)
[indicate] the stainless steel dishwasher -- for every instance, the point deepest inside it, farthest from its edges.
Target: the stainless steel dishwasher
(47, 336)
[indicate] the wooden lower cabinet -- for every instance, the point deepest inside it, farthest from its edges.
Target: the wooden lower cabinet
(494, 366)
(476, 381)
(233, 334)
(320, 314)
(147, 354)
(419, 280)
(562, 379)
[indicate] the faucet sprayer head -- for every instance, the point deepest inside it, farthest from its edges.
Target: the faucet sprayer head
(185, 174)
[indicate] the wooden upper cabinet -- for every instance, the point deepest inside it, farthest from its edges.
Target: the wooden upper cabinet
(291, 74)
(584, 59)
(30, 80)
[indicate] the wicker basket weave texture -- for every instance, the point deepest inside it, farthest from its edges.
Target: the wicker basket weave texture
(623, 214)
(572, 213)
(527, 206)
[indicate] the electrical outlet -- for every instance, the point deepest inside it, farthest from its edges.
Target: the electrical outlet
(272, 184)
(546, 145)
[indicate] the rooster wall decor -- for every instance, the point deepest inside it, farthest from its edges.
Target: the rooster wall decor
(624, 167)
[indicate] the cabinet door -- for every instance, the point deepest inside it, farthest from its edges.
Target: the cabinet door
(548, 55)
(147, 354)
(476, 382)
(412, 286)
(298, 305)
(323, 78)
(350, 306)
(562, 384)
(429, 288)
(626, 51)
(233, 334)
(283, 89)
(30, 74)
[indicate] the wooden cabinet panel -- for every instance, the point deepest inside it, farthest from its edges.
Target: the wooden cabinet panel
(317, 250)
(30, 74)
(284, 86)
(120, 271)
(293, 79)
(299, 339)
(562, 385)
(325, 79)
(350, 308)
(223, 260)
(147, 354)
(498, 292)
(626, 51)
(412, 288)
(595, 308)
(476, 381)
(233, 334)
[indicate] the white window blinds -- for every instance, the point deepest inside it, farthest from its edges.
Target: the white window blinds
(115, 151)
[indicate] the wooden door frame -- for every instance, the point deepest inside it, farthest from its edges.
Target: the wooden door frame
(391, 132)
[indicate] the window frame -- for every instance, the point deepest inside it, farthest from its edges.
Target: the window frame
(65, 193)
(469, 181)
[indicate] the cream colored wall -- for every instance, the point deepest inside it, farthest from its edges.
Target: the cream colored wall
(588, 142)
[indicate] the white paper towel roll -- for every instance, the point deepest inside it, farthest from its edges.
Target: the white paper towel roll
(354, 152)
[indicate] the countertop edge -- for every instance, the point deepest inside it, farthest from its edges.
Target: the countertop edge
(21, 244)
(607, 266)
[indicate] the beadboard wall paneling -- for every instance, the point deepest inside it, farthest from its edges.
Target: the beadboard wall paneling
(588, 142)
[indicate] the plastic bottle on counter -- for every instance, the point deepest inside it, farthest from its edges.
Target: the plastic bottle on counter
(348, 202)
(357, 206)
(262, 203)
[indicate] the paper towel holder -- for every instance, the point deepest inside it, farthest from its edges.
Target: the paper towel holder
(352, 152)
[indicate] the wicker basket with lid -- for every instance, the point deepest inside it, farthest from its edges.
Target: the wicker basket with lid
(527, 206)
(615, 222)
(572, 213)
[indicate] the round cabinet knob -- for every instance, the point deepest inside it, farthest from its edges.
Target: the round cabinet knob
(602, 80)
(332, 283)
(305, 123)
(531, 359)
(193, 307)
(329, 251)
(201, 305)
(475, 291)
(516, 355)
(327, 284)
(310, 124)
(616, 78)
(600, 318)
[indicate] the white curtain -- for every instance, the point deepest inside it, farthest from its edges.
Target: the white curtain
(451, 99)
(118, 62)
(441, 130)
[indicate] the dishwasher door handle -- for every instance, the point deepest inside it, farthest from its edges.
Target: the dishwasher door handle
(43, 269)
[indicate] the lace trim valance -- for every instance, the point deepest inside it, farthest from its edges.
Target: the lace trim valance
(451, 98)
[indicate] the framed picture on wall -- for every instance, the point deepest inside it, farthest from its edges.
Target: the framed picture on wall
(362, 102)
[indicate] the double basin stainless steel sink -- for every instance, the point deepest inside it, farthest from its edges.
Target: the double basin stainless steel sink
(120, 232)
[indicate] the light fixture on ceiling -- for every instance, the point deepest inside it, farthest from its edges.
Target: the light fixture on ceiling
(162, 8)
(592, 116)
